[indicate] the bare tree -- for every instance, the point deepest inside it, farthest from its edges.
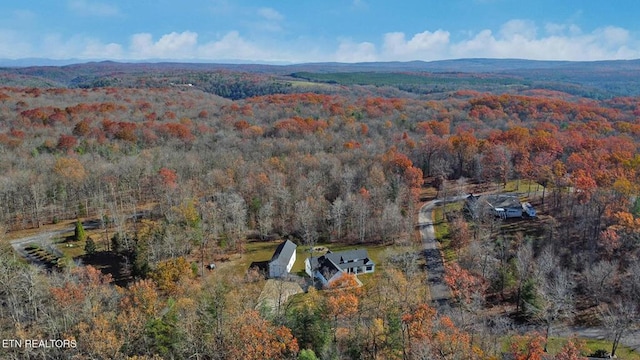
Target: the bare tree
(619, 318)
(633, 287)
(599, 278)
(546, 263)
(306, 222)
(524, 267)
(37, 196)
(555, 300)
(362, 212)
(390, 224)
(337, 214)
(265, 219)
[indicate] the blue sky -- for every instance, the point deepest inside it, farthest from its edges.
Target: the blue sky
(293, 31)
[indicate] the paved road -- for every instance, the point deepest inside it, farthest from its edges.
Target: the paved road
(440, 292)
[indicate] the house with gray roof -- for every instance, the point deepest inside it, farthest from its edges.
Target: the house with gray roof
(331, 266)
(504, 206)
(282, 260)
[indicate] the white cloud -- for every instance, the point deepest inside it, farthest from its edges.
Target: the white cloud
(348, 51)
(170, 46)
(185, 46)
(270, 20)
(421, 46)
(96, 50)
(81, 48)
(233, 46)
(515, 39)
(518, 39)
(518, 29)
(270, 14)
(614, 36)
(92, 8)
(14, 46)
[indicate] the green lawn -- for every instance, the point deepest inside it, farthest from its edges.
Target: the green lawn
(441, 228)
(522, 187)
(263, 251)
(623, 353)
(556, 343)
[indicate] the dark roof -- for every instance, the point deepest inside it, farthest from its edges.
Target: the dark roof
(331, 262)
(284, 252)
(503, 201)
(325, 266)
(347, 256)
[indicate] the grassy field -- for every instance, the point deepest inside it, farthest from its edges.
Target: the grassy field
(263, 251)
(623, 353)
(522, 186)
(441, 228)
(591, 345)
(308, 84)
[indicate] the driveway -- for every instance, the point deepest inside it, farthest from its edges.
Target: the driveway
(440, 292)
(45, 241)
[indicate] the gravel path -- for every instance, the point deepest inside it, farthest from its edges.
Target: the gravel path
(440, 292)
(45, 241)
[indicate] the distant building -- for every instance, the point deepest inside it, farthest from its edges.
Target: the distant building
(331, 266)
(503, 206)
(282, 260)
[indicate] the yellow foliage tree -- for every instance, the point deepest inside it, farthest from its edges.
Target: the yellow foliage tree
(173, 275)
(98, 338)
(70, 169)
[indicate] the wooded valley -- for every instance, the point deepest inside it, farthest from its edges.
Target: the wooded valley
(172, 170)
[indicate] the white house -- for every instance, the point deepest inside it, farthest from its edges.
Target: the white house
(283, 259)
(331, 266)
(502, 205)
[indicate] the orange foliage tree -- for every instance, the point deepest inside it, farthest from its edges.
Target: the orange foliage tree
(436, 338)
(251, 337)
(528, 347)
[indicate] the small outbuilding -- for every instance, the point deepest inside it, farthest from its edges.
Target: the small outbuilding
(282, 260)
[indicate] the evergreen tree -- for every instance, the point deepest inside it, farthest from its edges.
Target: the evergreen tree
(307, 354)
(118, 243)
(138, 257)
(79, 234)
(90, 246)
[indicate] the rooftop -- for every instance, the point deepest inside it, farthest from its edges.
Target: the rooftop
(284, 252)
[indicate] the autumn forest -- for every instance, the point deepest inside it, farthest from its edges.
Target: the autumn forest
(119, 187)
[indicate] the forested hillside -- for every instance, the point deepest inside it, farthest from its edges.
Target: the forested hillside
(184, 168)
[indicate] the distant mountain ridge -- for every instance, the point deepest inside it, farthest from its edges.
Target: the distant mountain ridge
(453, 65)
(599, 78)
